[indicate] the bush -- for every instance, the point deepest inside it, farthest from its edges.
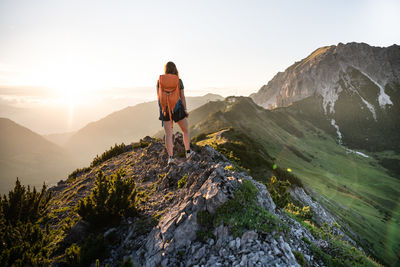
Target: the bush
(77, 172)
(303, 213)
(279, 191)
(92, 249)
(112, 152)
(141, 144)
(284, 175)
(337, 252)
(110, 199)
(205, 222)
(182, 181)
(22, 240)
(22, 205)
(300, 258)
(245, 152)
(72, 255)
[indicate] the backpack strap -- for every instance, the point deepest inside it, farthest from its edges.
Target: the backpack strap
(169, 111)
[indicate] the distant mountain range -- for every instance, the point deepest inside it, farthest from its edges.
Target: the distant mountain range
(35, 158)
(59, 138)
(123, 126)
(29, 156)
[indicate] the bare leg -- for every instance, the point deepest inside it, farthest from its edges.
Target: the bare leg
(168, 138)
(183, 124)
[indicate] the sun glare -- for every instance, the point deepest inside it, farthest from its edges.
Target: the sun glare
(72, 85)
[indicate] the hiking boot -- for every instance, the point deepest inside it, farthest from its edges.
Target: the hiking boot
(189, 154)
(171, 160)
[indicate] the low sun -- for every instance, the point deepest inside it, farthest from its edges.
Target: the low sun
(72, 86)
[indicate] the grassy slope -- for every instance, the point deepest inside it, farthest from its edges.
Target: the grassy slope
(356, 189)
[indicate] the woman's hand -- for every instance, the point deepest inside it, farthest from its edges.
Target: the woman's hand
(187, 113)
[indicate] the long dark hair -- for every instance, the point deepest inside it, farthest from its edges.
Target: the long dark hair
(170, 68)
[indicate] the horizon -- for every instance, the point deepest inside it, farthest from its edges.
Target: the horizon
(72, 62)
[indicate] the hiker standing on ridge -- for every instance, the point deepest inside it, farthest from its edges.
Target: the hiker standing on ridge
(172, 103)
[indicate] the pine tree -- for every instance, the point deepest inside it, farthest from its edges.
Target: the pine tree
(111, 198)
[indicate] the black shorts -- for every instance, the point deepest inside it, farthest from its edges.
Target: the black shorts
(177, 115)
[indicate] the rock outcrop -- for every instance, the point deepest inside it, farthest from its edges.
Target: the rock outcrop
(167, 231)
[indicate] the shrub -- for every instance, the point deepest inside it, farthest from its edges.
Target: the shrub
(141, 144)
(236, 168)
(92, 249)
(338, 252)
(111, 198)
(22, 205)
(303, 213)
(182, 181)
(284, 175)
(300, 258)
(112, 152)
(279, 191)
(205, 221)
(199, 137)
(72, 255)
(22, 240)
(77, 172)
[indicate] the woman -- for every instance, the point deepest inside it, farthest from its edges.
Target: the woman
(179, 114)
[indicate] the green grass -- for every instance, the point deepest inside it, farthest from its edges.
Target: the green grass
(240, 214)
(182, 181)
(356, 189)
(359, 190)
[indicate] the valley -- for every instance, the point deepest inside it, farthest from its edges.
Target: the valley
(358, 190)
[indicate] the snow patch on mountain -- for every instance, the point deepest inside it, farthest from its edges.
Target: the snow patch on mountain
(339, 134)
(356, 152)
(369, 106)
(330, 96)
(383, 98)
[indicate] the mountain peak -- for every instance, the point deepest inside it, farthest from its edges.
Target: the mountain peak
(323, 70)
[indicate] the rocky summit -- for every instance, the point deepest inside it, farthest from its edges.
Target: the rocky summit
(329, 70)
(203, 211)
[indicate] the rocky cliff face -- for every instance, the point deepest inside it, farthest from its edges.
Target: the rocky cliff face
(321, 72)
(178, 210)
(354, 86)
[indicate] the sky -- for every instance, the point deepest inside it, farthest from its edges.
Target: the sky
(85, 53)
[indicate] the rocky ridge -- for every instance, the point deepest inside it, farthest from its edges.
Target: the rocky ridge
(172, 239)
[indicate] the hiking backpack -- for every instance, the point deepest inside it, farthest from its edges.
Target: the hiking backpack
(168, 94)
